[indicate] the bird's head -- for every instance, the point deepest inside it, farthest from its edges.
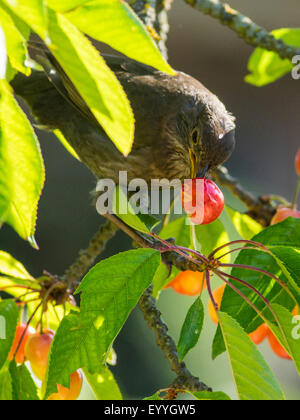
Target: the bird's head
(204, 130)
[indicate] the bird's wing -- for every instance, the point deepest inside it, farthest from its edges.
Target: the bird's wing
(123, 67)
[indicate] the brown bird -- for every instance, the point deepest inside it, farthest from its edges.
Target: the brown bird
(182, 129)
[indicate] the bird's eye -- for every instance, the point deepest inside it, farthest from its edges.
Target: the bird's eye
(195, 136)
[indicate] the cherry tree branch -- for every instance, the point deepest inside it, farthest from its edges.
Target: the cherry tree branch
(145, 241)
(259, 208)
(88, 256)
(153, 317)
(245, 28)
(154, 14)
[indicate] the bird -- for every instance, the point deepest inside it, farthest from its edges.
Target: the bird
(182, 130)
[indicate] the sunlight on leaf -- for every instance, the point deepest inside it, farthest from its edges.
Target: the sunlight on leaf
(22, 175)
(15, 43)
(253, 378)
(33, 12)
(114, 23)
(3, 54)
(104, 385)
(95, 82)
(110, 290)
(266, 66)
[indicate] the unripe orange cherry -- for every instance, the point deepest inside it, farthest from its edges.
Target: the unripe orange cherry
(218, 296)
(20, 356)
(260, 334)
(283, 213)
(277, 347)
(37, 351)
(188, 283)
(69, 394)
(297, 162)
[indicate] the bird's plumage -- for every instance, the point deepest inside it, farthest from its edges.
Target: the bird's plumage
(175, 116)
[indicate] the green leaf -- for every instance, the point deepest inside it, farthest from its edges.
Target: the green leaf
(288, 259)
(9, 266)
(5, 385)
(265, 66)
(114, 23)
(123, 209)
(19, 23)
(210, 396)
(279, 239)
(109, 293)
(253, 378)
(8, 323)
(162, 278)
(33, 12)
(64, 6)
(74, 346)
(245, 225)
(66, 144)
(24, 388)
(211, 237)
(178, 229)
(3, 54)
(154, 397)
(22, 175)
(95, 82)
(191, 329)
(15, 43)
(104, 385)
(93, 79)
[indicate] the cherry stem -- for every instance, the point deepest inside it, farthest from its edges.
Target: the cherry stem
(209, 289)
(239, 249)
(257, 244)
(294, 205)
(247, 285)
(260, 313)
(280, 199)
(27, 326)
(222, 275)
(178, 250)
(259, 270)
(198, 254)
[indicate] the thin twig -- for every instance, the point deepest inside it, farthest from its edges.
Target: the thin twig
(259, 208)
(154, 14)
(87, 257)
(166, 343)
(177, 258)
(252, 33)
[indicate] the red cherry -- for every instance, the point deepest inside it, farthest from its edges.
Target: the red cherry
(297, 162)
(69, 394)
(20, 356)
(37, 351)
(260, 334)
(283, 213)
(188, 283)
(202, 200)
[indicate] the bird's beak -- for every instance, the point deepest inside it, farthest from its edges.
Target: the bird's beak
(203, 172)
(193, 160)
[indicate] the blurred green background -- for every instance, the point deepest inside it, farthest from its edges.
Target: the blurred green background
(267, 139)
